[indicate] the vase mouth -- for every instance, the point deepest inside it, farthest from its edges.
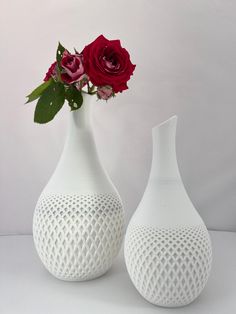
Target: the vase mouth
(81, 117)
(171, 121)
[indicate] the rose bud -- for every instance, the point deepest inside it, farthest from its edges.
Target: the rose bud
(104, 92)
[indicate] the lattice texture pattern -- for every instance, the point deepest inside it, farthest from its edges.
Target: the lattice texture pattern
(169, 267)
(78, 236)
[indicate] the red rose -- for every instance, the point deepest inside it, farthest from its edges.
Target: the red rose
(51, 72)
(72, 67)
(107, 63)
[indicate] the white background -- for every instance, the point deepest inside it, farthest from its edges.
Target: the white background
(185, 51)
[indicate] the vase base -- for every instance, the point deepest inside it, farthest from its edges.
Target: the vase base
(168, 266)
(78, 236)
(78, 279)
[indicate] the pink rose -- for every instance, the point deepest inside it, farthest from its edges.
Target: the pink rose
(104, 92)
(72, 67)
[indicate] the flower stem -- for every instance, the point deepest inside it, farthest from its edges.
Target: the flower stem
(91, 90)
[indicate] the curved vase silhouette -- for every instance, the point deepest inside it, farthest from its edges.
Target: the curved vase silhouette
(167, 246)
(79, 218)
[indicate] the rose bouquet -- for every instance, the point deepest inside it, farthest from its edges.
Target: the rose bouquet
(102, 68)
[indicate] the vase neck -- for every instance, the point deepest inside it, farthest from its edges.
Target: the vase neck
(80, 119)
(164, 162)
(79, 169)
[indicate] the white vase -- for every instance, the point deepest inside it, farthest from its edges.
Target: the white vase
(79, 217)
(167, 246)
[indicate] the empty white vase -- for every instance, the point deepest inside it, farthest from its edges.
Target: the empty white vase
(79, 218)
(167, 246)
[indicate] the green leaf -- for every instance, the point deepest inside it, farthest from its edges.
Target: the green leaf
(74, 98)
(50, 102)
(38, 91)
(60, 50)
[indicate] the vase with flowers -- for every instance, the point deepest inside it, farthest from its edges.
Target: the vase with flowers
(79, 218)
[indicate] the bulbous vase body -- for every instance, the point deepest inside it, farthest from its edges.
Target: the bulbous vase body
(79, 218)
(167, 246)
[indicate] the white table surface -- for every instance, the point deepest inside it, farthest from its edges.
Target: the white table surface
(27, 288)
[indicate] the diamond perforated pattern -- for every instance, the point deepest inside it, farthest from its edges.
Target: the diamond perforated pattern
(169, 267)
(78, 236)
